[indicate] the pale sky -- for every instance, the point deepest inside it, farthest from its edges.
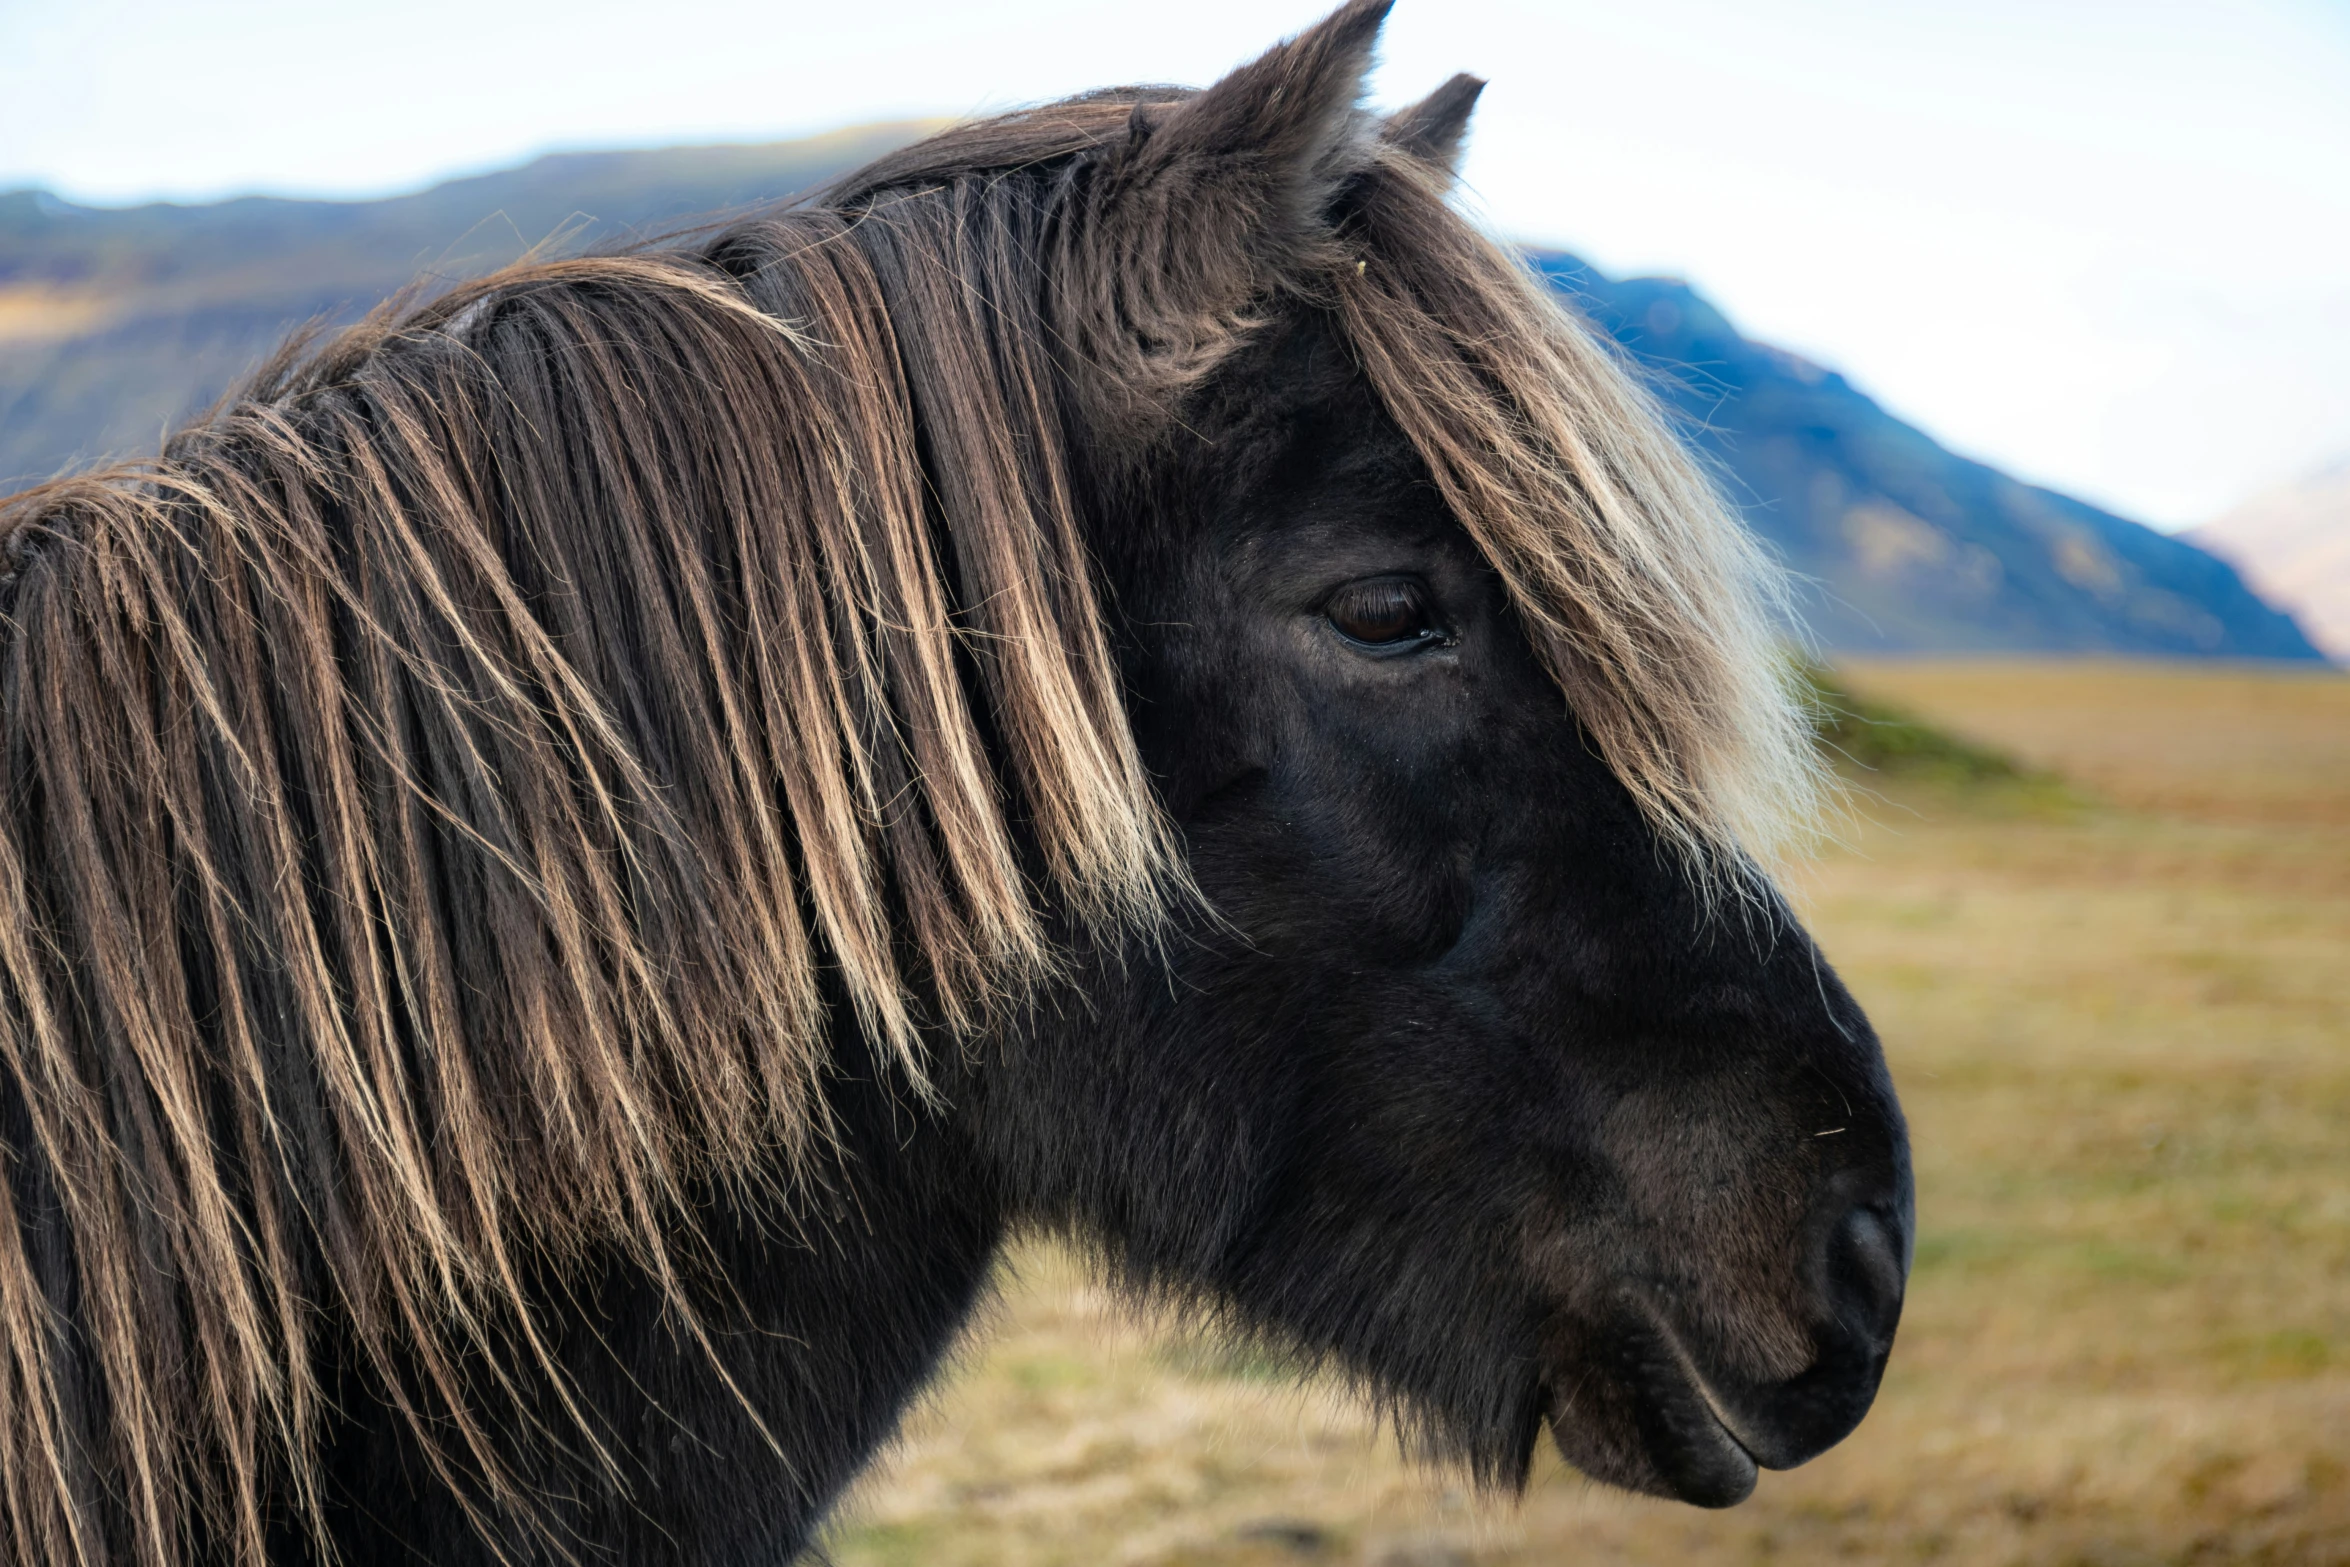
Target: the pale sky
(2102, 243)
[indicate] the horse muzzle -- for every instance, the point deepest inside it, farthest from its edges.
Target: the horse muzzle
(1641, 1399)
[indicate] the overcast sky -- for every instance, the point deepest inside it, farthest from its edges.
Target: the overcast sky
(2103, 243)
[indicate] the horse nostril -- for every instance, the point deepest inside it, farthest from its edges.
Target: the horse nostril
(1867, 1269)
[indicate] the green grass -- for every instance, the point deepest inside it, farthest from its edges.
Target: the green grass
(1876, 737)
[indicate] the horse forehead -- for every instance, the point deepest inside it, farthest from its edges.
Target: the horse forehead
(1292, 416)
(1290, 363)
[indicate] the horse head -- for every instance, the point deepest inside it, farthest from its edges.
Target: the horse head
(1493, 1070)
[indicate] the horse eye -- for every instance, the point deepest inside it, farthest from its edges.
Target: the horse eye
(1389, 614)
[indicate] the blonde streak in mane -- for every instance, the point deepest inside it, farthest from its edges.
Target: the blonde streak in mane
(102, 1180)
(913, 638)
(768, 942)
(821, 768)
(646, 1189)
(65, 1124)
(1752, 756)
(1651, 604)
(872, 573)
(372, 1084)
(825, 771)
(1005, 558)
(1134, 869)
(37, 1526)
(287, 1404)
(232, 1357)
(1032, 611)
(582, 726)
(251, 1363)
(763, 935)
(826, 766)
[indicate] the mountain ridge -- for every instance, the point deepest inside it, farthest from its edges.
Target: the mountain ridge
(1907, 546)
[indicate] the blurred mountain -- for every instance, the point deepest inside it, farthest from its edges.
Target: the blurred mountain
(1909, 547)
(115, 322)
(2293, 546)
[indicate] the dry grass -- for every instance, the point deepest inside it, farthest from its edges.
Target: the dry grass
(2206, 742)
(2122, 1029)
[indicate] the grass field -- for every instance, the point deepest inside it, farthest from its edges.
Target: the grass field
(2119, 1012)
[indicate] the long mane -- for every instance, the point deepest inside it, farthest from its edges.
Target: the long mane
(456, 792)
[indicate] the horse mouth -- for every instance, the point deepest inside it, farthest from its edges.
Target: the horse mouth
(1640, 1415)
(1684, 1451)
(1635, 1407)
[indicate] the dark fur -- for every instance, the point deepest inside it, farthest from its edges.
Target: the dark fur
(1406, 1015)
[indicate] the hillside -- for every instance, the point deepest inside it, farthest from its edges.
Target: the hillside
(2293, 545)
(115, 322)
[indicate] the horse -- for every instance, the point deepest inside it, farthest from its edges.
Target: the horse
(580, 855)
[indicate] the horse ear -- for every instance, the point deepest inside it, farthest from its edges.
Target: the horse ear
(1432, 128)
(1210, 200)
(1268, 142)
